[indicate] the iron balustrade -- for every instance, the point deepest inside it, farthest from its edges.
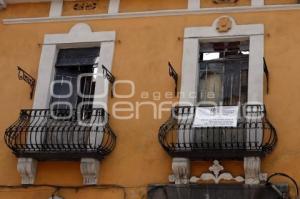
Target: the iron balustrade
(61, 134)
(254, 135)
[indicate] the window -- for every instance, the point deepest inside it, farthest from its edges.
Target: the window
(72, 98)
(223, 73)
(74, 83)
(225, 68)
(247, 43)
(223, 80)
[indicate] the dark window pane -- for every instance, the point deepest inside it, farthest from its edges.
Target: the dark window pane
(223, 79)
(63, 78)
(77, 57)
(73, 64)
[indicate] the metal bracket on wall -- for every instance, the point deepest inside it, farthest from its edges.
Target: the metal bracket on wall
(266, 71)
(174, 75)
(23, 75)
(109, 76)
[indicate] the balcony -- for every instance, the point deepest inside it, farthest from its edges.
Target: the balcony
(60, 134)
(253, 136)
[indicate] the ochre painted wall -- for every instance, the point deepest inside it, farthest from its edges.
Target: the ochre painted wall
(21, 10)
(211, 4)
(145, 5)
(141, 55)
(274, 2)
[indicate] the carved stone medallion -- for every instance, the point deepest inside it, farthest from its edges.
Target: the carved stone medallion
(224, 24)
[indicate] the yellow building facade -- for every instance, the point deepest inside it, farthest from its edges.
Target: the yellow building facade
(145, 151)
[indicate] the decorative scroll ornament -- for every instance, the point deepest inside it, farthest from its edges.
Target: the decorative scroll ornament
(266, 71)
(216, 175)
(109, 76)
(224, 24)
(225, 1)
(174, 75)
(23, 75)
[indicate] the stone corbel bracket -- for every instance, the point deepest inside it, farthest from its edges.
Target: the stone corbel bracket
(181, 171)
(89, 168)
(27, 168)
(216, 176)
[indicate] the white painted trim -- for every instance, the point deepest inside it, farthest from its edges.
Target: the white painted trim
(45, 76)
(114, 6)
(179, 12)
(257, 3)
(211, 32)
(193, 4)
(189, 70)
(56, 8)
(80, 35)
(66, 39)
(192, 38)
(256, 69)
(106, 59)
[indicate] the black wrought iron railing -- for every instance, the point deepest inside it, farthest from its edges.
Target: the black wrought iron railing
(46, 134)
(254, 135)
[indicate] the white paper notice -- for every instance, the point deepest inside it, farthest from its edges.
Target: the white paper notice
(218, 116)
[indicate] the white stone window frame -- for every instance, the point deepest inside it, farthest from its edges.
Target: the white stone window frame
(190, 63)
(189, 81)
(80, 36)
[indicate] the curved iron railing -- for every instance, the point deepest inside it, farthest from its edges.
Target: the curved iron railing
(253, 136)
(45, 134)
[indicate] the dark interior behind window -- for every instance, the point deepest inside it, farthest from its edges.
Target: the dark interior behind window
(71, 63)
(223, 73)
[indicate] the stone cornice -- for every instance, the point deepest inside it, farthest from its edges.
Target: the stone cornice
(179, 12)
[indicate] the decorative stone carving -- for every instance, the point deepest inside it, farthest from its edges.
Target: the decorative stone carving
(85, 5)
(252, 170)
(181, 171)
(216, 175)
(224, 24)
(89, 168)
(27, 168)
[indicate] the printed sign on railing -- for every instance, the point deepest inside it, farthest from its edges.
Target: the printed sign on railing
(218, 116)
